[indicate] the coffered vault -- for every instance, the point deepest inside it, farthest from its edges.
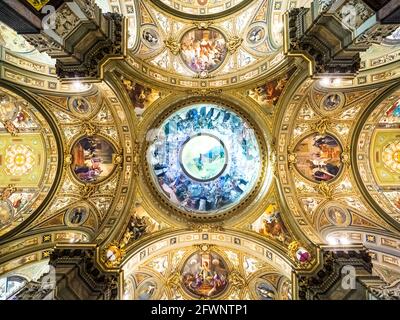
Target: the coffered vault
(199, 149)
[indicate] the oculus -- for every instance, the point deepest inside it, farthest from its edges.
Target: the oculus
(203, 50)
(92, 159)
(205, 274)
(204, 158)
(318, 157)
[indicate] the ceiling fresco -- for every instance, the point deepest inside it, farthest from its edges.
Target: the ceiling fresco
(377, 155)
(201, 7)
(27, 169)
(206, 164)
(206, 272)
(193, 50)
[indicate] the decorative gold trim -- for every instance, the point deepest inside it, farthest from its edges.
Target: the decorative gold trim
(173, 211)
(38, 4)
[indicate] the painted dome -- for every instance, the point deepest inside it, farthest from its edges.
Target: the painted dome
(29, 160)
(205, 158)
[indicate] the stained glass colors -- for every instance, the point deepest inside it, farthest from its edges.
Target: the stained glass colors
(204, 158)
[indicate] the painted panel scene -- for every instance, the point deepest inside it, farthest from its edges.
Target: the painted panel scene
(92, 159)
(270, 224)
(205, 275)
(140, 96)
(203, 50)
(318, 157)
(77, 216)
(268, 95)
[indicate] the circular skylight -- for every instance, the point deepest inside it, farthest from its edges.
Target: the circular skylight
(204, 158)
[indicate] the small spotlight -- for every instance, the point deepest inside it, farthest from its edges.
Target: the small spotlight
(325, 81)
(278, 27)
(337, 82)
(78, 86)
(344, 240)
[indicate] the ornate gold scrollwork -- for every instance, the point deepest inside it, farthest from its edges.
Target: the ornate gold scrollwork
(293, 249)
(67, 159)
(325, 189)
(203, 24)
(89, 129)
(234, 43)
(136, 157)
(292, 160)
(173, 281)
(345, 156)
(204, 92)
(38, 4)
(10, 127)
(87, 191)
(112, 255)
(173, 45)
(321, 126)
(237, 280)
(205, 227)
(118, 159)
(7, 192)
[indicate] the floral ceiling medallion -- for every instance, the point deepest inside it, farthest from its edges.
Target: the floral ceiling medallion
(19, 159)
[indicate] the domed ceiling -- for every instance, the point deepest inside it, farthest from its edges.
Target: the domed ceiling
(27, 168)
(176, 50)
(377, 155)
(206, 164)
(205, 158)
